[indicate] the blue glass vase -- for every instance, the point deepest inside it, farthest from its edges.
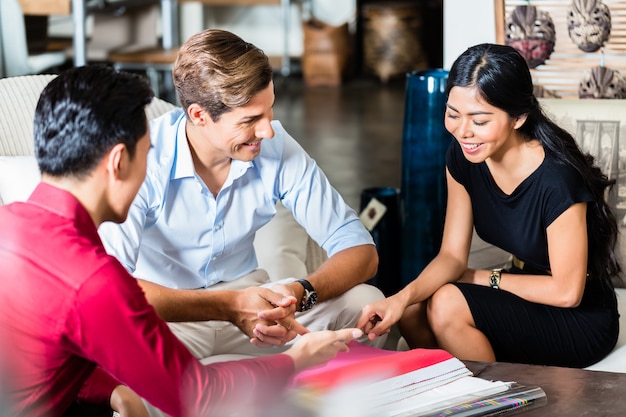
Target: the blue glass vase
(424, 144)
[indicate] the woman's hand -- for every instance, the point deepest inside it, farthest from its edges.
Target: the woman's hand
(377, 318)
(127, 403)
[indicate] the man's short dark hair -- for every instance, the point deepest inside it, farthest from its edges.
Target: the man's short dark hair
(85, 111)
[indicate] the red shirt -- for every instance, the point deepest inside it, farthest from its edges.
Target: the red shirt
(66, 307)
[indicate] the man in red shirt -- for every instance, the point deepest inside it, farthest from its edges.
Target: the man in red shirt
(74, 325)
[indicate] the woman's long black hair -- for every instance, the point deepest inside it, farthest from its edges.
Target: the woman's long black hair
(502, 78)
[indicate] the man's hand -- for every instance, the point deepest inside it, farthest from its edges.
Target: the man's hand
(127, 403)
(267, 316)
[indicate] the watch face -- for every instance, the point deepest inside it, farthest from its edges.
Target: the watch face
(309, 300)
(494, 279)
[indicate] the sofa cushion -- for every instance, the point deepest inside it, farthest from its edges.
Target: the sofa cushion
(19, 175)
(281, 246)
(616, 360)
(18, 99)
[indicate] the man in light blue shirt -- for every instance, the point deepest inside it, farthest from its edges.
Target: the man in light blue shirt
(212, 181)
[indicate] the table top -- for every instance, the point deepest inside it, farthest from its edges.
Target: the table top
(570, 392)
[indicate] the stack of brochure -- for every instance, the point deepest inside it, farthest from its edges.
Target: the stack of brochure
(422, 382)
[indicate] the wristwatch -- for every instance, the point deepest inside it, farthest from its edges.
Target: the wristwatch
(494, 278)
(309, 299)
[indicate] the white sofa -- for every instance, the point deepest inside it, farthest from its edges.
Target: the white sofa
(283, 247)
(600, 128)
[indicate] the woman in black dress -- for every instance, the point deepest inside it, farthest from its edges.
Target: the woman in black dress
(527, 188)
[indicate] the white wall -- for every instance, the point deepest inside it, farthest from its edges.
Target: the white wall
(466, 23)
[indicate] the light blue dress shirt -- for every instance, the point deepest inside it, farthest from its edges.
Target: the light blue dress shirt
(179, 235)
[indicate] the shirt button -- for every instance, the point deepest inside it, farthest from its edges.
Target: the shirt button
(218, 227)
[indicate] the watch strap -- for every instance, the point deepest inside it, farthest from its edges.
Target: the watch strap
(306, 284)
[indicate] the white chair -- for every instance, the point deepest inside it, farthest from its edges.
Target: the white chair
(14, 48)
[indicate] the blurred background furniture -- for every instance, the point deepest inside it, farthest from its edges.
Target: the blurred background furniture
(131, 40)
(157, 64)
(285, 65)
(131, 34)
(16, 58)
(285, 5)
(157, 58)
(80, 9)
(140, 35)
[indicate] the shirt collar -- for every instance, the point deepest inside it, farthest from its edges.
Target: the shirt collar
(63, 204)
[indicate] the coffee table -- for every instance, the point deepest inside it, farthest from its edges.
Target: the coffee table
(570, 392)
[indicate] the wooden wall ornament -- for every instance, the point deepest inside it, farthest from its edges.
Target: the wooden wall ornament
(589, 24)
(531, 32)
(602, 82)
(561, 74)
